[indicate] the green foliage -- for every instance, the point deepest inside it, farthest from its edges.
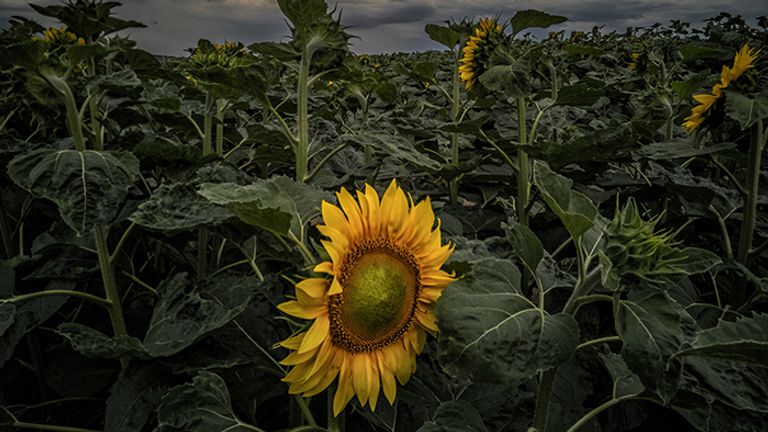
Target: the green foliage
(627, 300)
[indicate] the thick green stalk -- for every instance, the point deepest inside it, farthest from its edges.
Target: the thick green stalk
(93, 103)
(221, 104)
(523, 176)
(73, 115)
(208, 125)
(302, 119)
(453, 187)
(110, 283)
(750, 205)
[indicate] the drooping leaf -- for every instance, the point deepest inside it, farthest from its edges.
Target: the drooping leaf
(89, 187)
(279, 205)
(203, 405)
(178, 207)
(93, 343)
(455, 416)
(185, 313)
(135, 396)
(531, 18)
(575, 210)
(652, 328)
(29, 314)
(625, 382)
(745, 340)
(527, 245)
(745, 110)
(490, 332)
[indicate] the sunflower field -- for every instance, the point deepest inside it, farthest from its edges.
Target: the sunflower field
(516, 233)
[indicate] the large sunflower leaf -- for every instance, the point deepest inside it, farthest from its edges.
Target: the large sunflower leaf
(89, 187)
(443, 35)
(455, 416)
(575, 210)
(135, 396)
(653, 328)
(203, 405)
(93, 343)
(178, 207)
(531, 18)
(745, 340)
(279, 205)
(625, 382)
(745, 110)
(489, 331)
(183, 315)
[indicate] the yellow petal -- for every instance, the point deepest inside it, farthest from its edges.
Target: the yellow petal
(361, 377)
(352, 210)
(387, 382)
(345, 391)
(324, 267)
(336, 287)
(316, 334)
(334, 217)
(294, 308)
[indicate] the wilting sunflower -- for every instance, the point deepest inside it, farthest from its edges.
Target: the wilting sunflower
(478, 50)
(742, 61)
(373, 311)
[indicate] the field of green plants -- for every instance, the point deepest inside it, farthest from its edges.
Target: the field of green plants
(513, 234)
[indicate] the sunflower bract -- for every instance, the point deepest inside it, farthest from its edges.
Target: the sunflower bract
(375, 307)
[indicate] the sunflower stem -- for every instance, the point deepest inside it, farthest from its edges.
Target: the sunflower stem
(543, 395)
(305, 411)
(523, 181)
(455, 108)
(302, 118)
(110, 282)
(750, 206)
(221, 106)
(207, 124)
(73, 117)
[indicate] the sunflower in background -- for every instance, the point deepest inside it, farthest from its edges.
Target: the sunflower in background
(59, 36)
(373, 311)
(743, 61)
(632, 65)
(478, 49)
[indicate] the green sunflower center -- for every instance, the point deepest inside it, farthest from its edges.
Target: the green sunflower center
(380, 286)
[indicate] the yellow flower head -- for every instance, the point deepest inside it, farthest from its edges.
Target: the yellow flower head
(59, 36)
(375, 306)
(478, 49)
(633, 64)
(742, 61)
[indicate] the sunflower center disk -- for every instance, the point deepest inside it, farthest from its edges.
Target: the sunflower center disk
(378, 300)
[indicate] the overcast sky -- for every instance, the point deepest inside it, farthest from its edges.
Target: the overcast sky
(380, 25)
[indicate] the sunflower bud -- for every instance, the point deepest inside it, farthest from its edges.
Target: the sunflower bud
(636, 250)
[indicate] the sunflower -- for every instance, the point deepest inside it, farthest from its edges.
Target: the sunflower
(59, 36)
(632, 65)
(373, 311)
(742, 61)
(478, 49)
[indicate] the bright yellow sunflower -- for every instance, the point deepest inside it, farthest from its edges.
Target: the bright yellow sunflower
(373, 311)
(59, 36)
(478, 49)
(742, 61)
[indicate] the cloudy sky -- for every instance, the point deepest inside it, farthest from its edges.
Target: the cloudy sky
(381, 25)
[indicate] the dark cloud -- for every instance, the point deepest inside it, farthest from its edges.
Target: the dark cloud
(405, 14)
(381, 25)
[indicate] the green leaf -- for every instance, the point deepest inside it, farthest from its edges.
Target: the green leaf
(397, 147)
(28, 315)
(135, 395)
(625, 382)
(490, 332)
(681, 149)
(653, 328)
(202, 406)
(506, 79)
(574, 209)
(279, 205)
(184, 314)
(455, 416)
(530, 18)
(78, 53)
(93, 343)
(7, 311)
(527, 245)
(696, 260)
(745, 340)
(745, 110)
(443, 35)
(178, 207)
(89, 187)
(277, 50)
(579, 94)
